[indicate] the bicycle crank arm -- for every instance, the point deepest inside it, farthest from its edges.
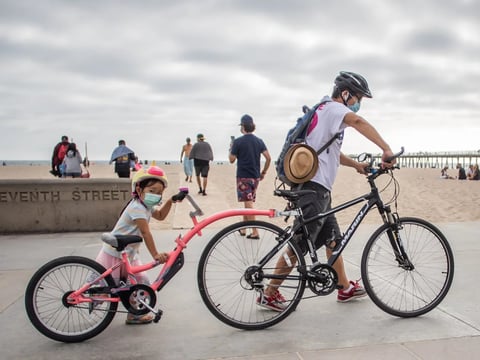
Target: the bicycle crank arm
(158, 313)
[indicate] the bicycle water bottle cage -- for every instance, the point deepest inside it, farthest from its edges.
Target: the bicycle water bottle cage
(119, 242)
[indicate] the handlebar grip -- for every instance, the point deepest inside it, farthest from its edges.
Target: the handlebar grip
(394, 156)
(183, 191)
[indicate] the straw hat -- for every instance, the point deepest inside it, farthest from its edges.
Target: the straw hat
(300, 163)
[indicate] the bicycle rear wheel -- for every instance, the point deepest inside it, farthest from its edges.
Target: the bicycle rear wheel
(45, 300)
(230, 282)
(401, 291)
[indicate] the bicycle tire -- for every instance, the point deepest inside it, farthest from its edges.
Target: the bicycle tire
(222, 283)
(45, 306)
(401, 292)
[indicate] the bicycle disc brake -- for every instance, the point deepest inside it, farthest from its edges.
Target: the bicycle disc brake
(322, 279)
(139, 300)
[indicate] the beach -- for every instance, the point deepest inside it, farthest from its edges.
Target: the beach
(422, 193)
(317, 329)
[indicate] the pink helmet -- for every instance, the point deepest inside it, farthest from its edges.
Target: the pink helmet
(153, 172)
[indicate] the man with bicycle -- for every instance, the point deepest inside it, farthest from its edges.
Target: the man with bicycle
(337, 113)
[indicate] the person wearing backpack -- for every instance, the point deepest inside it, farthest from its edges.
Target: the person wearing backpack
(247, 151)
(334, 114)
(59, 152)
(123, 157)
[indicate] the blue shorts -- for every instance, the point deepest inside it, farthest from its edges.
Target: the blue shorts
(247, 189)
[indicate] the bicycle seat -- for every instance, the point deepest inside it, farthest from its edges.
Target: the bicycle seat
(119, 242)
(293, 195)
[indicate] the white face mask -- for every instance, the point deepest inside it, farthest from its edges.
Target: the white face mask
(151, 199)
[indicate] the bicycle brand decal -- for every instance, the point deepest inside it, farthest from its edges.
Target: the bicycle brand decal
(363, 211)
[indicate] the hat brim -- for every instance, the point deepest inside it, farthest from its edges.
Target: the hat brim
(300, 163)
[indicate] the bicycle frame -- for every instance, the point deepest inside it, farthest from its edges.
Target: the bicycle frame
(372, 199)
(175, 258)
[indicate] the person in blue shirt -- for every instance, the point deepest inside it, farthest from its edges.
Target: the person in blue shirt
(247, 151)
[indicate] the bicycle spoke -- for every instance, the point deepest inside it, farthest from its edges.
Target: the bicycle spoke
(404, 292)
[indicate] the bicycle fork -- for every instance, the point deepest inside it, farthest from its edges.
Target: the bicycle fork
(396, 242)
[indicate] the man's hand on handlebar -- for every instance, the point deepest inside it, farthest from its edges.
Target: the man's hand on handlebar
(361, 167)
(388, 159)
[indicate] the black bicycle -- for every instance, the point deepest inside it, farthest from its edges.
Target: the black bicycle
(407, 264)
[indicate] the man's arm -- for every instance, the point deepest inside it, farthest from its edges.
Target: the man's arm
(268, 160)
(348, 161)
(367, 130)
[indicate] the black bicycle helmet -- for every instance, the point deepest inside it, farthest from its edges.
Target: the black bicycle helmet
(355, 83)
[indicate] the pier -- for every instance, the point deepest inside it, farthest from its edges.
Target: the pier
(437, 159)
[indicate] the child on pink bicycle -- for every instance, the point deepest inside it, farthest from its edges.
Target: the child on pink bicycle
(148, 186)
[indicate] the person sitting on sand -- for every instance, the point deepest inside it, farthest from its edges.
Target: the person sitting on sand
(475, 174)
(461, 172)
(444, 173)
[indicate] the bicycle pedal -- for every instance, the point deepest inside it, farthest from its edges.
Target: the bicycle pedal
(158, 316)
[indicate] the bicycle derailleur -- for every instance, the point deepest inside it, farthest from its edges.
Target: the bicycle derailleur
(322, 279)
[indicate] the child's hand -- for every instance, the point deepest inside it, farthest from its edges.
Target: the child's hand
(161, 257)
(180, 196)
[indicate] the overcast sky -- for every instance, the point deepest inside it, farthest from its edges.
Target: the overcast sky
(154, 72)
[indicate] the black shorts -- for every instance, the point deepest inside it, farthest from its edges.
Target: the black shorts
(201, 167)
(320, 230)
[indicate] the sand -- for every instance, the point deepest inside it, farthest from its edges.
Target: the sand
(422, 194)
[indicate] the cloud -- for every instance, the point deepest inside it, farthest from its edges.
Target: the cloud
(154, 72)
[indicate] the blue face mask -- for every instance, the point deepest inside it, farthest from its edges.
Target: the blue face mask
(355, 107)
(150, 200)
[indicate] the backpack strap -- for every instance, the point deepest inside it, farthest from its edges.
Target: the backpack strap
(336, 136)
(322, 149)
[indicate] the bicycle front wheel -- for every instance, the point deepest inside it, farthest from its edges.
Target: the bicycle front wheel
(408, 291)
(232, 283)
(46, 306)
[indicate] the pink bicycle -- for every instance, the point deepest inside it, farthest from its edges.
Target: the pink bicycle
(73, 298)
(407, 268)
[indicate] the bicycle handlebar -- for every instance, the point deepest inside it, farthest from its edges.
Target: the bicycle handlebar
(369, 169)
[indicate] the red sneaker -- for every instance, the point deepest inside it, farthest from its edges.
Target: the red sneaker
(357, 291)
(276, 302)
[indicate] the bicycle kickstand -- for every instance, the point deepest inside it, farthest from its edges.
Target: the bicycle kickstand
(158, 313)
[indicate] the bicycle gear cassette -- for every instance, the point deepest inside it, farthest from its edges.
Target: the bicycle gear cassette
(322, 279)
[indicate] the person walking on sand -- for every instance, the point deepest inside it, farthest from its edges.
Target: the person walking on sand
(124, 159)
(187, 162)
(247, 151)
(333, 116)
(201, 154)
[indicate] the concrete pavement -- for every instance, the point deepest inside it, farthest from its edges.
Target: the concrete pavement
(320, 328)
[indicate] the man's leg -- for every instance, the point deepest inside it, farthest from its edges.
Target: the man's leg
(205, 178)
(205, 185)
(281, 268)
(197, 175)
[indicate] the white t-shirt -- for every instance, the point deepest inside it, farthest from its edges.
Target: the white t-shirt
(126, 226)
(327, 121)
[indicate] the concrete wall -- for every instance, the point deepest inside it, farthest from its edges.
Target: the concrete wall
(60, 205)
